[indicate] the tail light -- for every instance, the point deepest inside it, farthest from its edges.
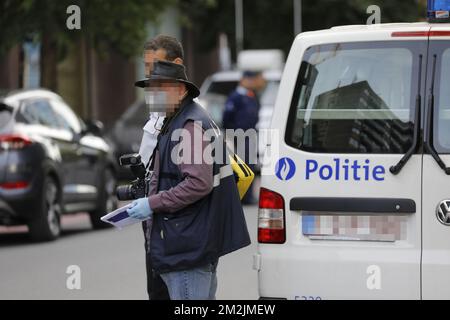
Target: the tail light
(417, 34)
(14, 185)
(14, 142)
(271, 218)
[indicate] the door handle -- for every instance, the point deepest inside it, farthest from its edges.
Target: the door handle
(353, 205)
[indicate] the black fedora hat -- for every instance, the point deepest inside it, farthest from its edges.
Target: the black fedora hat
(169, 71)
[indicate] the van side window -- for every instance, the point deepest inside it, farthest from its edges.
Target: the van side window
(354, 98)
(442, 117)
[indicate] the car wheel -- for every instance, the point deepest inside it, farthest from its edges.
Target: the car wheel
(107, 201)
(46, 223)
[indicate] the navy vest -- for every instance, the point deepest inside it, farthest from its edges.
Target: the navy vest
(207, 229)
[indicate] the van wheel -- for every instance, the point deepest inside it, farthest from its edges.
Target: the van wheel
(107, 201)
(46, 224)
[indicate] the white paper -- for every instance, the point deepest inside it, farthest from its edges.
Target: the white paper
(120, 218)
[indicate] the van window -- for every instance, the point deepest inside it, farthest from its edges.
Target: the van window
(442, 127)
(354, 98)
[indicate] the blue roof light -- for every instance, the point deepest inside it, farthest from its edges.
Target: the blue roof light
(439, 10)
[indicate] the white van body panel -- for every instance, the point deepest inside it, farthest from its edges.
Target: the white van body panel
(436, 236)
(307, 268)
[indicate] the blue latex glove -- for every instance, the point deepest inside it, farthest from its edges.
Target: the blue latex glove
(140, 209)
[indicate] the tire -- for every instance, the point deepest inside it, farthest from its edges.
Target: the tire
(46, 224)
(107, 200)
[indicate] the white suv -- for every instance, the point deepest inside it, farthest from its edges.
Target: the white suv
(217, 87)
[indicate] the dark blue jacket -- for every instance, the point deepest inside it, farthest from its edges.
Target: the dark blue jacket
(207, 229)
(241, 110)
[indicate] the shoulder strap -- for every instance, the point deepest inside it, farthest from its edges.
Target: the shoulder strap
(151, 161)
(150, 164)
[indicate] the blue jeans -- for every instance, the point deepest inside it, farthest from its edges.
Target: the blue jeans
(193, 284)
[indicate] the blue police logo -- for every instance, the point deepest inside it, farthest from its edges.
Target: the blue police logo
(285, 169)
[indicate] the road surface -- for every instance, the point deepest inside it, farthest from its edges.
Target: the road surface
(111, 264)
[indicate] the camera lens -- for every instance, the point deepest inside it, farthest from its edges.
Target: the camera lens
(125, 193)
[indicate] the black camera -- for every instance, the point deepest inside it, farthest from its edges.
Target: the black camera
(139, 187)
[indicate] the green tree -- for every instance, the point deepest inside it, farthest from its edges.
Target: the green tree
(105, 25)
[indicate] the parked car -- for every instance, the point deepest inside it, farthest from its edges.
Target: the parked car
(217, 87)
(51, 163)
(215, 90)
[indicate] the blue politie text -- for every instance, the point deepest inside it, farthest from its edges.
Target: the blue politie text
(345, 170)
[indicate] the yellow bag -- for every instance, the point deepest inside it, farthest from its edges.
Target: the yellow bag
(243, 174)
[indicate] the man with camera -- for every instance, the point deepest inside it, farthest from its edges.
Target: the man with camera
(194, 206)
(164, 48)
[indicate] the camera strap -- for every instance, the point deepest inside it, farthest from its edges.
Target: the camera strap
(150, 164)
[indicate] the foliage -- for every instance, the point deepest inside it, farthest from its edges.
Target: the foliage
(105, 24)
(269, 24)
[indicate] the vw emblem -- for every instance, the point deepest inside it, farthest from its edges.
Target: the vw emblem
(443, 212)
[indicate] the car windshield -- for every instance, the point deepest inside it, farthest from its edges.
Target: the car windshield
(222, 87)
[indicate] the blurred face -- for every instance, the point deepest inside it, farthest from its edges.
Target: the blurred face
(165, 96)
(256, 83)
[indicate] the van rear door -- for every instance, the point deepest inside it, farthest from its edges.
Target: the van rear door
(353, 228)
(436, 178)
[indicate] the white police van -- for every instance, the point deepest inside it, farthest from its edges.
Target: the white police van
(356, 205)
